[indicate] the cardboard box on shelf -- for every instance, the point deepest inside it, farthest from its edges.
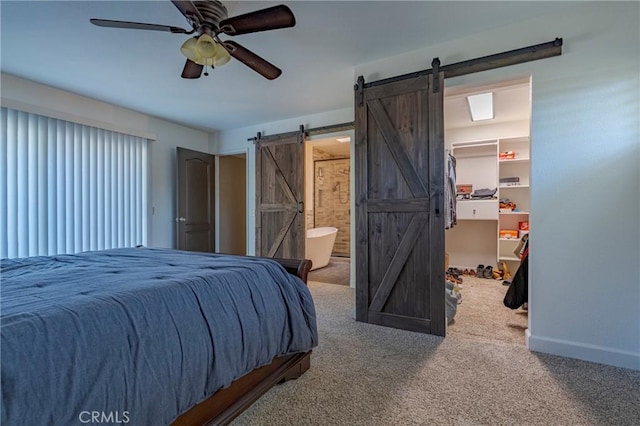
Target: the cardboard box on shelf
(507, 155)
(509, 233)
(523, 225)
(464, 188)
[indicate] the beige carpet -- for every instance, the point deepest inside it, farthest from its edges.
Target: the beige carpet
(364, 374)
(483, 316)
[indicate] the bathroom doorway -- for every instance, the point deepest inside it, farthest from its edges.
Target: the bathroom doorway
(330, 208)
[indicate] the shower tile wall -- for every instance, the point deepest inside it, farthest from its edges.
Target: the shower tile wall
(331, 200)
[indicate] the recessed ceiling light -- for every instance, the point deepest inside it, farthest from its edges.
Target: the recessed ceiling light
(343, 140)
(481, 106)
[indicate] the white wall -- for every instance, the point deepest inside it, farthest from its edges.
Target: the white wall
(45, 100)
(584, 263)
(163, 175)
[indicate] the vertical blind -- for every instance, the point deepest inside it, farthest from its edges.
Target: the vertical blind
(67, 187)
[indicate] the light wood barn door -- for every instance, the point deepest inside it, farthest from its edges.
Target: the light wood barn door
(280, 228)
(399, 168)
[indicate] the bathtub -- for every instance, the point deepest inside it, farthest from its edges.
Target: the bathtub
(319, 245)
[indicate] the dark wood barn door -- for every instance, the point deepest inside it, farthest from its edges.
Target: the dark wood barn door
(195, 224)
(399, 168)
(280, 230)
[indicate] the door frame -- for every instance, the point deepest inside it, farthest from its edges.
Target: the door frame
(218, 192)
(248, 203)
(352, 200)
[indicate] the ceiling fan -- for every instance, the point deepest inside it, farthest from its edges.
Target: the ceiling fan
(208, 19)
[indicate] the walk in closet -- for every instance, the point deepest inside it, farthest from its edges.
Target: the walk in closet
(492, 157)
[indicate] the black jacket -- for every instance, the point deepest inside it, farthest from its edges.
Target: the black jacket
(518, 292)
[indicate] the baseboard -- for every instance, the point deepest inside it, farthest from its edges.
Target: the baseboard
(585, 352)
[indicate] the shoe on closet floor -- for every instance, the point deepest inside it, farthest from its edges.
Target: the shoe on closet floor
(454, 272)
(480, 271)
(488, 272)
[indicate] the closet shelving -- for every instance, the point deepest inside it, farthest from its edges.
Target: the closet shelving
(479, 164)
(519, 193)
(476, 164)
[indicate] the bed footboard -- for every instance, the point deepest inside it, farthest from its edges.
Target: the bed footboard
(299, 268)
(228, 403)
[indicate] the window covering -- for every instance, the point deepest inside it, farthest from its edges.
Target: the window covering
(67, 187)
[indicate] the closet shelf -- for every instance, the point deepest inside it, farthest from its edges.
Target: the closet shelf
(513, 186)
(514, 160)
(515, 213)
(457, 145)
(479, 200)
(511, 258)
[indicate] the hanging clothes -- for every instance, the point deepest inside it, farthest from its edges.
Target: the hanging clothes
(518, 291)
(450, 218)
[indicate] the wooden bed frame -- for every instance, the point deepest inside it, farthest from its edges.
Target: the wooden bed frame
(226, 404)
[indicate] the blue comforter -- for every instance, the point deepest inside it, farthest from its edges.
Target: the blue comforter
(139, 336)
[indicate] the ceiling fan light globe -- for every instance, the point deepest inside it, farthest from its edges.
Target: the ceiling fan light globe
(190, 49)
(207, 47)
(204, 61)
(222, 57)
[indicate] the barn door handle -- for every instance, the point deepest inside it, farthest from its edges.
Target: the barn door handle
(437, 206)
(300, 206)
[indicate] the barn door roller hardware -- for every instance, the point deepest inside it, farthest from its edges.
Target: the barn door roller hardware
(256, 139)
(435, 66)
(359, 88)
(260, 139)
(302, 132)
(485, 63)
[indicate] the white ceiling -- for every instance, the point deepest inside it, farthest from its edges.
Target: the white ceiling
(511, 102)
(333, 146)
(52, 42)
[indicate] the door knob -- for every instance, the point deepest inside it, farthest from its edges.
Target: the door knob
(181, 219)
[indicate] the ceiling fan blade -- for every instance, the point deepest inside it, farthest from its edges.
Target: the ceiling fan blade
(188, 9)
(191, 70)
(253, 61)
(137, 26)
(270, 18)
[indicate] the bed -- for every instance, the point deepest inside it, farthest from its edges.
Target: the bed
(149, 336)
